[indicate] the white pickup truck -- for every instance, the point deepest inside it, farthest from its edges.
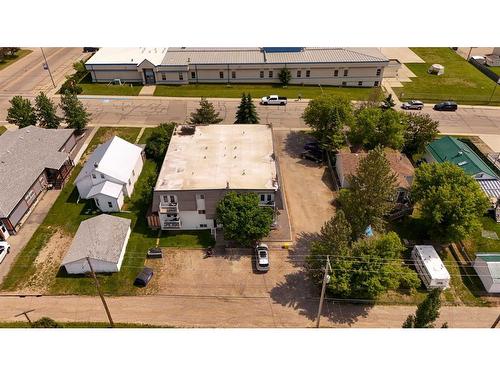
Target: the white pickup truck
(273, 100)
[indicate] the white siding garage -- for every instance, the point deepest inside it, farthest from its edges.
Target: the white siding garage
(487, 267)
(103, 239)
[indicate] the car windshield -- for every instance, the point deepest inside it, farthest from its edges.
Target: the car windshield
(263, 254)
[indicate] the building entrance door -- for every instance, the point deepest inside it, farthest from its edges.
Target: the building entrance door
(4, 232)
(149, 76)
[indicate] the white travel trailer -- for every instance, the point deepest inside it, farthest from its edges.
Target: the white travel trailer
(430, 267)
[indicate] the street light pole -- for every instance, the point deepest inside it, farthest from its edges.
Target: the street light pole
(323, 289)
(48, 68)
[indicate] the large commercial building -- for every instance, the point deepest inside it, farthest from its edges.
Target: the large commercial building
(201, 166)
(362, 67)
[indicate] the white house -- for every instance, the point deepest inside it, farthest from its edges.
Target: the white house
(430, 267)
(103, 239)
(487, 267)
(110, 173)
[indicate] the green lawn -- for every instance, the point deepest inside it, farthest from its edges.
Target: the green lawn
(105, 89)
(10, 60)
(3, 129)
(187, 239)
(495, 69)
(461, 81)
(479, 244)
(258, 91)
(145, 135)
(105, 133)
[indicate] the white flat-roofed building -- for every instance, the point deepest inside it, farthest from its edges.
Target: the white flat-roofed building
(430, 267)
(362, 67)
(200, 168)
(487, 266)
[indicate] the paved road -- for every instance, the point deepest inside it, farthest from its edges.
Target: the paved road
(27, 77)
(191, 311)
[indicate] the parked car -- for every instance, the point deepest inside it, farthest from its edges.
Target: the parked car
(262, 257)
(90, 49)
(313, 155)
(312, 146)
(273, 100)
(144, 277)
(4, 250)
(155, 252)
(413, 104)
(446, 106)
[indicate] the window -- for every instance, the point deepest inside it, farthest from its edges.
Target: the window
(344, 83)
(336, 73)
(375, 84)
(181, 77)
(360, 83)
(346, 72)
(193, 75)
(308, 73)
(299, 73)
(163, 77)
(30, 196)
(261, 74)
(233, 75)
(221, 75)
(102, 176)
(41, 179)
(203, 226)
(201, 212)
(202, 196)
(110, 205)
(379, 71)
(270, 74)
(94, 176)
(263, 197)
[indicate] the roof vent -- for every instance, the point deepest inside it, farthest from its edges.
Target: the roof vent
(244, 172)
(189, 59)
(462, 163)
(96, 165)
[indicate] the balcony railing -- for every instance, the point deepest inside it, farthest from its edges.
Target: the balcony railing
(176, 223)
(168, 208)
(266, 204)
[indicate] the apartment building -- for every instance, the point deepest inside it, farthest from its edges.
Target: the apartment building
(327, 66)
(203, 163)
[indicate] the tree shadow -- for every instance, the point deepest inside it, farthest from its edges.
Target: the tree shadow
(300, 250)
(294, 143)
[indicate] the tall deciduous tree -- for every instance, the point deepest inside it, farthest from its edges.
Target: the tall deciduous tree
(157, 143)
(371, 193)
(75, 113)
(46, 112)
(427, 312)
(420, 129)
(285, 76)
(376, 127)
(21, 112)
(327, 116)
(246, 113)
(243, 220)
(205, 114)
(451, 202)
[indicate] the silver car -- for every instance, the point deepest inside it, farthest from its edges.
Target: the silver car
(4, 250)
(413, 104)
(262, 257)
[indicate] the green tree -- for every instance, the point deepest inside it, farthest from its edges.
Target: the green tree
(389, 102)
(75, 113)
(243, 220)
(450, 201)
(46, 112)
(205, 114)
(246, 113)
(427, 312)
(420, 129)
(371, 193)
(45, 322)
(327, 116)
(157, 143)
(21, 112)
(376, 127)
(285, 76)
(70, 86)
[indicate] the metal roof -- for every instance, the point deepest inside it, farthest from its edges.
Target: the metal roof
(186, 56)
(328, 55)
(490, 187)
(24, 155)
(432, 262)
(492, 268)
(101, 237)
(133, 56)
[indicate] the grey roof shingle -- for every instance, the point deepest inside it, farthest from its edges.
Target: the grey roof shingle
(24, 154)
(101, 237)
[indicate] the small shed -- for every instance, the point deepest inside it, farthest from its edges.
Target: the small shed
(103, 239)
(437, 69)
(487, 267)
(430, 267)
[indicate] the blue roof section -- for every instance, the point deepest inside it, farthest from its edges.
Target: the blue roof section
(282, 49)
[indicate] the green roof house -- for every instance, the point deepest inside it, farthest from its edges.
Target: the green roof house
(459, 153)
(487, 267)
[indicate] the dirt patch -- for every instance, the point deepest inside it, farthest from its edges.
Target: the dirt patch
(47, 263)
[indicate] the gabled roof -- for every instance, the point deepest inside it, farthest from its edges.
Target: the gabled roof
(116, 158)
(129, 56)
(101, 237)
(107, 188)
(459, 153)
(24, 155)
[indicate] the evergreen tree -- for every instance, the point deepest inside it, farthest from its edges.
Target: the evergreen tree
(241, 115)
(427, 312)
(46, 112)
(371, 193)
(246, 113)
(253, 117)
(21, 112)
(75, 113)
(205, 114)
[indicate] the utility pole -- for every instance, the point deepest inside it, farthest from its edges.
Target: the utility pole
(496, 322)
(48, 68)
(100, 293)
(25, 313)
(326, 277)
(470, 51)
